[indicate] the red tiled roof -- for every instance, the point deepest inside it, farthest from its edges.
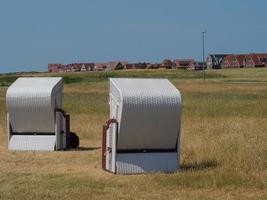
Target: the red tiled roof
(240, 59)
(184, 63)
(167, 63)
(230, 58)
(256, 60)
(261, 55)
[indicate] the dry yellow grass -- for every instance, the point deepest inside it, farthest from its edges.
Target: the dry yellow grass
(223, 144)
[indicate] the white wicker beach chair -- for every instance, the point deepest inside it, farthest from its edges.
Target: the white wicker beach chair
(143, 132)
(35, 119)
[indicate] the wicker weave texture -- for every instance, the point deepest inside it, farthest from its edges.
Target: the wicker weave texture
(31, 103)
(148, 112)
(146, 162)
(32, 142)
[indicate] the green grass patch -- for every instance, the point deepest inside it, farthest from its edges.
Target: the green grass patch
(7, 80)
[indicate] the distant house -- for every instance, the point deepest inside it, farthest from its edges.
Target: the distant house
(100, 67)
(67, 68)
(123, 63)
(120, 65)
(116, 65)
(83, 68)
(258, 59)
(248, 61)
(90, 66)
(76, 67)
(153, 66)
(55, 67)
(130, 66)
(87, 66)
(252, 60)
(140, 65)
(263, 58)
(111, 65)
(184, 64)
(167, 63)
(214, 61)
(73, 67)
(230, 61)
(244, 60)
(241, 60)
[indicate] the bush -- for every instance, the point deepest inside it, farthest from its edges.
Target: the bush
(7, 80)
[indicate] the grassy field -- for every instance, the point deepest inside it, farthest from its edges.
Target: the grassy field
(223, 142)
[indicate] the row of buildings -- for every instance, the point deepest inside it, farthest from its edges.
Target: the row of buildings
(189, 64)
(214, 61)
(221, 61)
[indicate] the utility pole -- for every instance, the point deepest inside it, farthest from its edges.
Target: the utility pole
(203, 54)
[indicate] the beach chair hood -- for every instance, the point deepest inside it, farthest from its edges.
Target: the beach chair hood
(31, 104)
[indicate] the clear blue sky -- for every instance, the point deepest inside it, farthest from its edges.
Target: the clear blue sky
(34, 33)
